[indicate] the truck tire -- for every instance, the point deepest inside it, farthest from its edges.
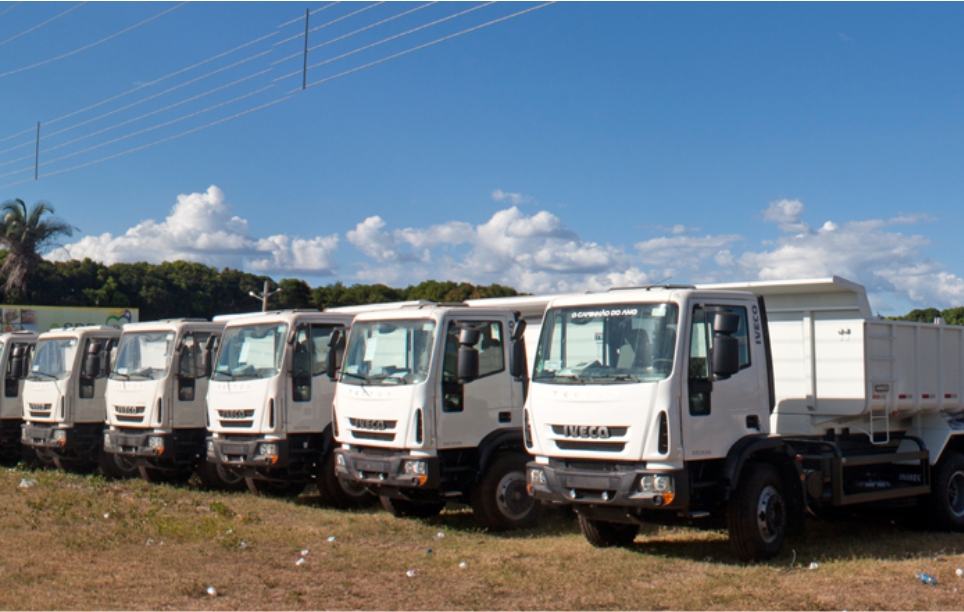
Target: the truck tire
(38, 457)
(757, 513)
(220, 477)
(338, 492)
(501, 500)
(280, 489)
(403, 508)
(117, 467)
(603, 534)
(171, 477)
(944, 506)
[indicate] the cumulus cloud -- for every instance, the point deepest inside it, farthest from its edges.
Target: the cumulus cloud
(202, 228)
(513, 198)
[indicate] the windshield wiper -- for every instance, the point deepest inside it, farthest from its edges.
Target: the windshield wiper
(225, 373)
(396, 377)
(574, 377)
(120, 374)
(358, 376)
(35, 375)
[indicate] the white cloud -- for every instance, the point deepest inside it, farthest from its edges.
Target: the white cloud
(514, 198)
(202, 228)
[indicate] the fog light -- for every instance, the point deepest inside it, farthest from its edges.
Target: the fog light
(537, 477)
(646, 483)
(107, 443)
(211, 446)
(156, 444)
(662, 483)
(60, 435)
(268, 450)
(340, 460)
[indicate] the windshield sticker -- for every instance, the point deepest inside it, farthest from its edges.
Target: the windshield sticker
(370, 348)
(659, 311)
(605, 312)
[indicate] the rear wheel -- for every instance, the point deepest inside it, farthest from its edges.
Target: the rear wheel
(757, 513)
(501, 500)
(403, 508)
(275, 488)
(604, 534)
(220, 477)
(338, 492)
(117, 466)
(944, 506)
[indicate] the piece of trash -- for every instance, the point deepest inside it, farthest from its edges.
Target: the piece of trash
(463, 565)
(304, 552)
(107, 515)
(959, 572)
(243, 544)
(150, 541)
(814, 565)
(411, 573)
(229, 531)
(26, 483)
(331, 538)
(440, 535)
(213, 592)
(428, 552)
(926, 578)
(300, 561)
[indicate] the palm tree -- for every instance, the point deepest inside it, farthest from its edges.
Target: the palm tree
(23, 234)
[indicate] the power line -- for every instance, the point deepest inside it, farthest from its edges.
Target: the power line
(93, 44)
(368, 27)
(390, 38)
(318, 10)
(10, 9)
(334, 21)
(39, 25)
(429, 44)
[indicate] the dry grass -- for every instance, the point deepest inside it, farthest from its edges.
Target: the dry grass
(70, 542)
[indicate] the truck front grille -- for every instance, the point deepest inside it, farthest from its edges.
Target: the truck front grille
(39, 410)
(606, 447)
(129, 414)
(236, 418)
(372, 435)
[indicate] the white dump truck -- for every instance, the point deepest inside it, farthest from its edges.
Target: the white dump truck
(429, 408)
(754, 403)
(63, 398)
(156, 410)
(269, 404)
(16, 349)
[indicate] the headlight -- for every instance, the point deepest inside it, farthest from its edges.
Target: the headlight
(60, 435)
(646, 483)
(663, 483)
(269, 449)
(415, 468)
(340, 460)
(537, 477)
(155, 442)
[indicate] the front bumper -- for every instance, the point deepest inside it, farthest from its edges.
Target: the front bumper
(615, 486)
(43, 436)
(139, 445)
(245, 453)
(385, 474)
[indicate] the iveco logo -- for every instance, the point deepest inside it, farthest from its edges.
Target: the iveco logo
(369, 424)
(586, 431)
(233, 414)
(127, 410)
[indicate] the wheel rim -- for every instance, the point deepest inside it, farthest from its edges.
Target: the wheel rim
(124, 464)
(227, 475)
(770, 514)
(955, 493)
(352, 489)
(511, 496)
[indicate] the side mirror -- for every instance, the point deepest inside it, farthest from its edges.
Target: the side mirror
(726, 356)
(91, 367)
(726, 323)
(207, 354)
(517, 365)
(334, 340)
(468, 363)
(17, 363)
(469, 336)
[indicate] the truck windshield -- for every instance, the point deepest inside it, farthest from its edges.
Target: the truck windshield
(54, 360)
(251, 351)
(143, 355)
(389, 352)
(610, 344)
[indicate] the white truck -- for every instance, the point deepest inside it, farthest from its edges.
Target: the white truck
(269, 404)
(63, 399)
(754, 403)
(156, 411)
(16, 349)
(428, 408)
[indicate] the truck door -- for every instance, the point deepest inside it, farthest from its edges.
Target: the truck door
(91, 406)
(310, 392)
(718, 411)
(190, 383)
(467, 412)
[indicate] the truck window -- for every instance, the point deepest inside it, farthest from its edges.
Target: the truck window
(143, 355)
(701, 350)
(54, 359)
(389, 352)
(251, 351)
(491, 353)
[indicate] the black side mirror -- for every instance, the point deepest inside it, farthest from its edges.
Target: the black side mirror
(207, 353)
(334, 342)
(726, 356)
(469, 336)
(468, 359)
(91, 367)
(18, 363)
(517, 366)
(726, 323)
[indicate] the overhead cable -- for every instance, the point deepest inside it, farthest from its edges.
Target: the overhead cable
(429, 44)
(39, 25)
(317, 10)
(368, 27)
(332, 22)
(10, 9)
(93, 44)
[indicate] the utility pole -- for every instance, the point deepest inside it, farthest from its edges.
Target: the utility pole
(264, 296)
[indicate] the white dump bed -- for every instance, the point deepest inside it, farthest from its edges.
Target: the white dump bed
(835, 365)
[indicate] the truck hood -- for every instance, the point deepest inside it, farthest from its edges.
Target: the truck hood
(377, 415)
(41, 399)
(610, 422)
(130, 403)
(238, 406)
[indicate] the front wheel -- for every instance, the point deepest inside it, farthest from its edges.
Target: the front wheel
(501, 500)
(220, 477)
(403, 508)
(276, 488)
(757, 513)
(604, 534)
(944, 506)
(117, 466)
(338, 492)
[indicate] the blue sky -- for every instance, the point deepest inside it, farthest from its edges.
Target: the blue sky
(574, 147)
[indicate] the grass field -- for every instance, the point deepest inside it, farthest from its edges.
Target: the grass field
(75, 542)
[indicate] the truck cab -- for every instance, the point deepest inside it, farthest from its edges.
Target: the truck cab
(269, 403)
(16, 349)
(428, 408)
(156, 411)
(63, 397)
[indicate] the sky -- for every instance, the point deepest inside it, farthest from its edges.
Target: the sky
(552, 148)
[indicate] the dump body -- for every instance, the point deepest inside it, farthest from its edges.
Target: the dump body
(156, 411)
(63, 396)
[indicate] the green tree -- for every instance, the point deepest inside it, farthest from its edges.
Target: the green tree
(24, 234)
